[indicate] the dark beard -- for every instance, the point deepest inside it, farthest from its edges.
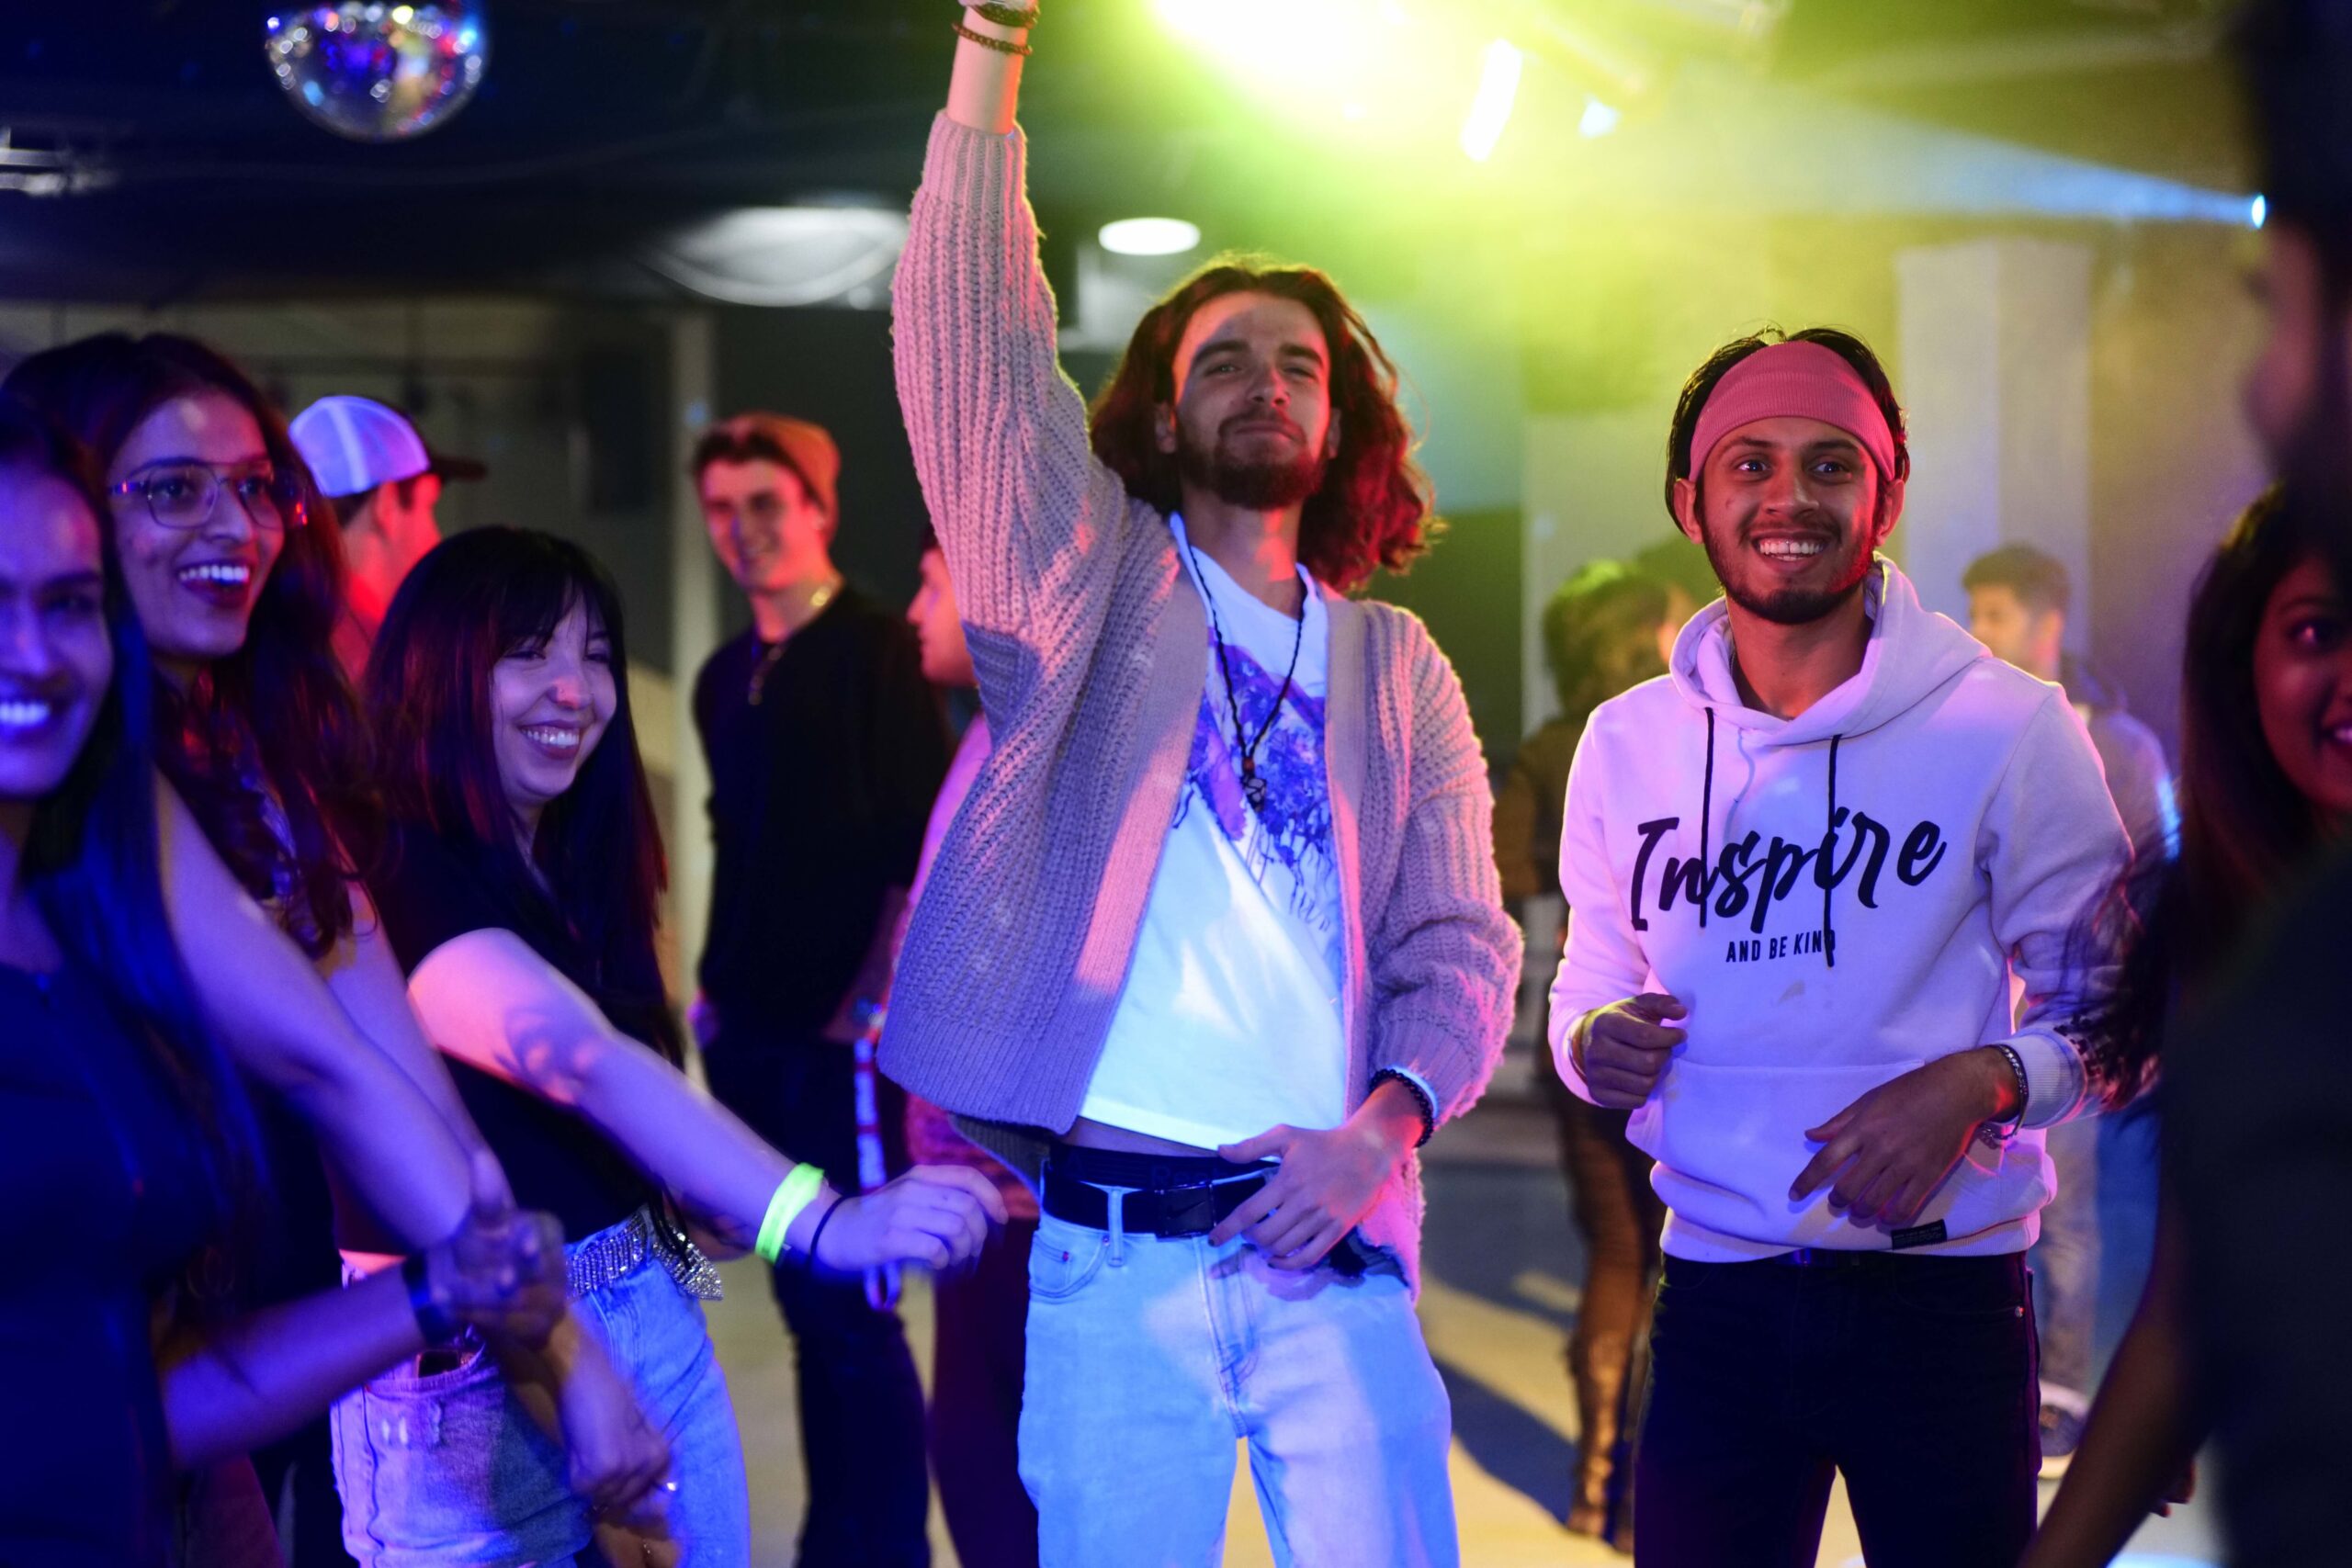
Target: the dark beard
(1789, 606)
(1259, 486)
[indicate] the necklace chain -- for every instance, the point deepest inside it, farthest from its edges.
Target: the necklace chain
(1253, 788)
(771, 652)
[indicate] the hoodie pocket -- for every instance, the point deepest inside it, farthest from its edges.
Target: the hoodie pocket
(1730, 1142)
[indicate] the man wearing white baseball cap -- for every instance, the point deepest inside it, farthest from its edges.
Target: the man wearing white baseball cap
(384, 481)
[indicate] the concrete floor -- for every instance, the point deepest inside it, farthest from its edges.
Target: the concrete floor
(1497, 1308)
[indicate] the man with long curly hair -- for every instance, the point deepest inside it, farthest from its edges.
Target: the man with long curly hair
(1215, 942)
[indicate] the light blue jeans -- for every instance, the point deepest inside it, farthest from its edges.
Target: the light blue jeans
(1147, 1358)
(446, 1471)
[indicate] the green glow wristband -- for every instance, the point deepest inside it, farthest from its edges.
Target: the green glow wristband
(794, 1193)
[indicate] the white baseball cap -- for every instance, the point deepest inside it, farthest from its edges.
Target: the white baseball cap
(355, 444)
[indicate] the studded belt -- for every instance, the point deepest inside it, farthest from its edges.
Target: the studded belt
(618, 1251)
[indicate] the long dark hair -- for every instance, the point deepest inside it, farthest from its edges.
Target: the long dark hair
(2244, 828)
(596, 868)
(93, 863)
(1373, 511)
(280, 707)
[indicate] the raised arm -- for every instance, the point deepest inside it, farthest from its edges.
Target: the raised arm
(1032, 524)
(488, 999)
(286, 1031)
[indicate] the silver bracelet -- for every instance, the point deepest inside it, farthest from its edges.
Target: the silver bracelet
(1996, 1133)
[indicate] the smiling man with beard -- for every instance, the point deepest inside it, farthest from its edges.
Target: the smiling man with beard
(1804, 866)
(1215, 942)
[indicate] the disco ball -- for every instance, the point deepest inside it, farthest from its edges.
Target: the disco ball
(380, 70)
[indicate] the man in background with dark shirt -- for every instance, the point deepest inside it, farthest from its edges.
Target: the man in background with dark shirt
(826, 746)
(2018, 598)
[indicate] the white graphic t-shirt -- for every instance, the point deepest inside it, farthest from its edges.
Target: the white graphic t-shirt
(1230, 1020)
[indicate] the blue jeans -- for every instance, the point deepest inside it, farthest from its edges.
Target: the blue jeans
(2066, 1264)
(446, 1471)
(1912, 1376)
(1148, 1358)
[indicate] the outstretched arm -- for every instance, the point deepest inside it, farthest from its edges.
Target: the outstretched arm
(486, 998)
(282, 1027)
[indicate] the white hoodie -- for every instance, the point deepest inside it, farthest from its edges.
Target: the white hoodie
(1970, 835)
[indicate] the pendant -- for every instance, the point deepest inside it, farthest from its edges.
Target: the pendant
(1253, 789)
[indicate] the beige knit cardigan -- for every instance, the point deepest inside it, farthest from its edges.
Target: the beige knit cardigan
(1091, 648)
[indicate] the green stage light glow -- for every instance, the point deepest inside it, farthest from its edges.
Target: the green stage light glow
(1491, 111)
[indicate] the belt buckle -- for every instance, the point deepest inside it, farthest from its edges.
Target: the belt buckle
(1188, 1211)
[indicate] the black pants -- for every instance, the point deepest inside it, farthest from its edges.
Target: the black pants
(861, 1403)
(1913, 1376)
(976, 1377)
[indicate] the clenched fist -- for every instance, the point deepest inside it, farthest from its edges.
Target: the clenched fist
(1622, 1049)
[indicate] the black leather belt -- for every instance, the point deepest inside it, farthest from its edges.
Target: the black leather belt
(1168, 1196)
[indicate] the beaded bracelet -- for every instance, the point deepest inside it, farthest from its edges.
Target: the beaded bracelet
(1006, 16)
(1421, 1098)
(1003, 46)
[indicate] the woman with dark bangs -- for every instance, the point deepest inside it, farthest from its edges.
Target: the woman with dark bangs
(236, 573)
(519, 888)
(122, 1112)
(2266, 788)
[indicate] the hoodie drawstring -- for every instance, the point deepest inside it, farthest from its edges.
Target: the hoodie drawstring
(1829, 842)
(1706, 815)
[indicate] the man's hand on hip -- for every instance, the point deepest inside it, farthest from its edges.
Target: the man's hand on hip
(1328, 1181)
(1625, 1047)
(1885, 1155)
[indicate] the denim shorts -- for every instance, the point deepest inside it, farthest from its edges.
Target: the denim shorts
(446, 1470)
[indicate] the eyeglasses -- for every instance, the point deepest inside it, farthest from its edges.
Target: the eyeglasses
(183, 494)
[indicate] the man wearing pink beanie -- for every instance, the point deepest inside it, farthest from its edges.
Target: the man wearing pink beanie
(1803, 867)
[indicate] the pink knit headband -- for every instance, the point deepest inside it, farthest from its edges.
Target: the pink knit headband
(1804, 379)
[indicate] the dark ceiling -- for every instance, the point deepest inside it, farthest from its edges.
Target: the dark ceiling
(603, 120)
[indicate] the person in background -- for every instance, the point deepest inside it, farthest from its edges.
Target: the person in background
(129, 1350)
(519, 889)
(826, 747)
(2019, 600)
(1689, 582)
(1601, 635)
(2265, 678)
(976, 1374)
(383, 482)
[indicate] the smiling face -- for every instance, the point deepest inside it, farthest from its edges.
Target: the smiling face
(194, 588)
(1790, 511)
(1252, 422)
(770, 533)
(549, 702)
(55, 656)
(2302, 685)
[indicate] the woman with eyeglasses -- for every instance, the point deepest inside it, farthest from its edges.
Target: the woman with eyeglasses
(235, 573)
(126, 1137)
